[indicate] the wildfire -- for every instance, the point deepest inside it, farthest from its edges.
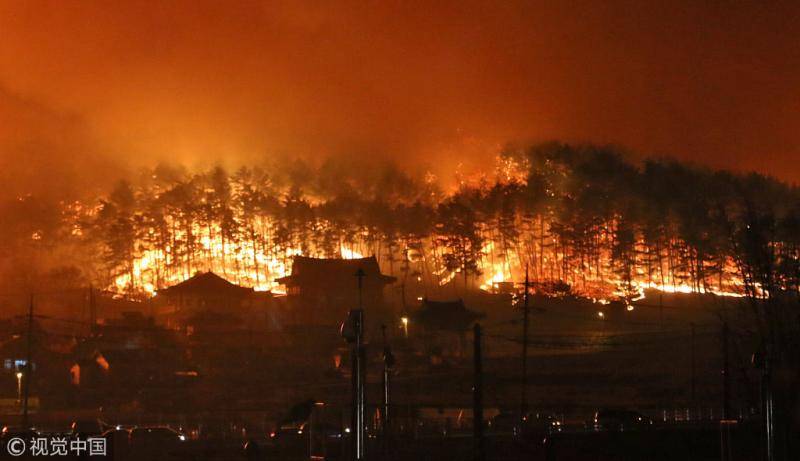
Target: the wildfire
(149, 271)
(499, 271)
(258, 266)
(253, 247)
(492, 282)
(446, 276)
(244, 264)
(349, 253)
(687, 289)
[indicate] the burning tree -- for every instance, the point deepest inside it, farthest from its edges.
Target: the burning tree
(459, 238)
(581, 217)
(765, 244)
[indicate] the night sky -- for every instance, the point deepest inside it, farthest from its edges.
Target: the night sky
(88, 87)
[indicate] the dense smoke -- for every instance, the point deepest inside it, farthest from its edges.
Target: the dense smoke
(431, 88)
(49, 153)
(369, 104)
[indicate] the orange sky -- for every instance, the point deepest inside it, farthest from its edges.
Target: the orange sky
(423, 83)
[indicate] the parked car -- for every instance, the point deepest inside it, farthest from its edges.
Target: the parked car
(8, 432)
(158, 442)
(156, 435)
(85, 428)
(118, 440)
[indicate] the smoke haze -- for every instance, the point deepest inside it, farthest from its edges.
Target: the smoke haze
(88, 87)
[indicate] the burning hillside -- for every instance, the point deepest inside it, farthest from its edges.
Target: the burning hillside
(582, 220)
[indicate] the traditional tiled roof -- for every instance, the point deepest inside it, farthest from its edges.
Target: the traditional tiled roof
(316, 270)
(207, 284)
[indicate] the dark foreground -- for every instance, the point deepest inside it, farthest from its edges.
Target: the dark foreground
(698, 443)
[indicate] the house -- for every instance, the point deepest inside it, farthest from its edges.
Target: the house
(322, 291)
(206, 290)
(183, 305)
(127, 356)
(443, 325)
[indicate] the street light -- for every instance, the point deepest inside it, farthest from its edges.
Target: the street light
(405, 325)
(19, 386)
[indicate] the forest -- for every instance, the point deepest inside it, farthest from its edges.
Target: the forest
(583, 219)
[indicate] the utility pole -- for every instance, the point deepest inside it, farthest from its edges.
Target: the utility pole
(360, 274)
(353, 332)
(361, 384)
(694, 376)
(768, 406)
(406, 268)
(385, 383)
(388, 363)
(357, 317)
(28, 366)
(523, 409)
(477, 396)
(92, 310)
(726, 379)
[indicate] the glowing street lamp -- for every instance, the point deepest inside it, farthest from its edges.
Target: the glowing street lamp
(19, 386)
(404, 320)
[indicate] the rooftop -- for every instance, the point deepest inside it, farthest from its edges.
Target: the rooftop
(322, 269)
(445, 315)
(207, 284)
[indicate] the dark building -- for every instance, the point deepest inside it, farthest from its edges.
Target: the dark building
(443, 325)
(208, 295)
(131, 358)
(321, 291)
(206, 290)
